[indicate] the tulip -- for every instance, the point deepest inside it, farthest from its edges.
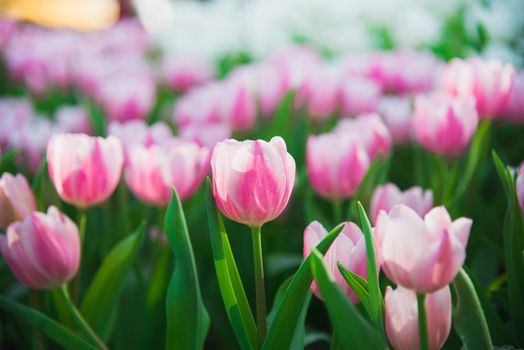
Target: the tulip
(488, 81)
(360, 95)
(72, 119)
(85, 170)
(205, 134)
(16, 199)
(396, 113)
(138, 132)
(514, 111)
(238, 103)
(520, 186)
(336, 164)
(272, 85)
(402, 315)
(252, 180)
(349, 248)
(423, 255)
(152, 172)
(370, 130)
(387, 196)
(31, 139)
(14, 114)
(43, 250)
(200, 105)
(443, 124)
(183, 73)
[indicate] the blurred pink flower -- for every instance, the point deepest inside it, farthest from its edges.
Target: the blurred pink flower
(182, 73)
(205, 134)
(396, 113)
(139, 132)
(16, 199)
(238, 103)
(359, 95)
(520, 186)
(514, 109)
(72, 119)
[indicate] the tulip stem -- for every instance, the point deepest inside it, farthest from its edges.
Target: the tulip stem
(259, 283)
(337, 211)
(422, 321)
(79, 319)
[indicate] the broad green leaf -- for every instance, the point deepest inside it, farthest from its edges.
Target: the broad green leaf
(470, 322)
(101, 299)
(46, 325)
(230, 284)
(501, 170)
(358, 285)
(187, 318)
(281, 331)
(7, 160)
(281, 120)
(97, 118)
(351, 328)
(375, 297)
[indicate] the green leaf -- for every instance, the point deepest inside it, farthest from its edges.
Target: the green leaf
(358, 285)
(100, 301)
(280, 334)
(350, 327)
(46, 325)
(98, 120)
(187, 318)
(470, 322)
(230, 284)
(280, 122)
(375, 297)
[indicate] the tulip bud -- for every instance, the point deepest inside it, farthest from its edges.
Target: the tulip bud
(336, 164)
(85, 170)
(183, 73)
(514, 111)
(444, 125)
(16, 199)
(387, 196)
(43, 250)
(360, 95)
(396, 113)
(252, 180)
(152, 172)
(349, 248)
(402, 318)
(238, 104)
(423, 255)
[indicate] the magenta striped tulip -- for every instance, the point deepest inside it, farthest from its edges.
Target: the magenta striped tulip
(16, 199)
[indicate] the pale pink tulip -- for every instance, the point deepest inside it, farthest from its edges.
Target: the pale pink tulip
(15, 113)
(359, 95)
(443, 124)
(514, 111)
(238, 104)
(84, 170)
(396, 113)
(273, 83)
(371, 132)
(387, 196)
(402, 318)
(72, 119)
(336, 164)
(205, 134)
(349, 248)
(152, 172)
(488, 81)
(16, 199)
(43, 250)
(31, 139)
(252, 180)
(423, 255)
(139, 132)
(183, 73)
(200, 105)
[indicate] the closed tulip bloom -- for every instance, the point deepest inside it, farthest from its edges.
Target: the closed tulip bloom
(370, 131)
(72, 119)
(423, 255)
(152, 172)
(238, 103)
(85, 170)
(205, 134)
(402, 318)
(43, 250)
(182, 73)
(349, 248)
(336, 164)
(396, 113)
(359, 95)
(387, 196)
(488, 81)
(514, 111)
(252, 180)
(16, 199)
(443, 124)
(520, 187)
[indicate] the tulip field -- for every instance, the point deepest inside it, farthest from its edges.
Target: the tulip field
(286, 191)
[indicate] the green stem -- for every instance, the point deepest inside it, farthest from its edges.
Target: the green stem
(259, 283)
(82, 224)
(79, 319)
(337, 211)
(422, 321)
(36, 303)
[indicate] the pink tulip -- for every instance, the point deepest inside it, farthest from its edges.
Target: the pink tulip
(43, 250)
(402, 318)
(371, 132)
(14, 114)
(238, 103)
(138, 132)
(319, 92)
(183, 73)
(205, 134)
(443, 124)
(349, 248)
(488, 81)
(127, 98)
(84, 170)
(336, 164)
(514, 111)
(387, 196)
(72, 119)
(252, 180)
(31, 139)
(200, 105)
(359, 95)
(16, 199)
(520, 186)
(396, 113)
(152, 172)
(273, 83)
(421, 254)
